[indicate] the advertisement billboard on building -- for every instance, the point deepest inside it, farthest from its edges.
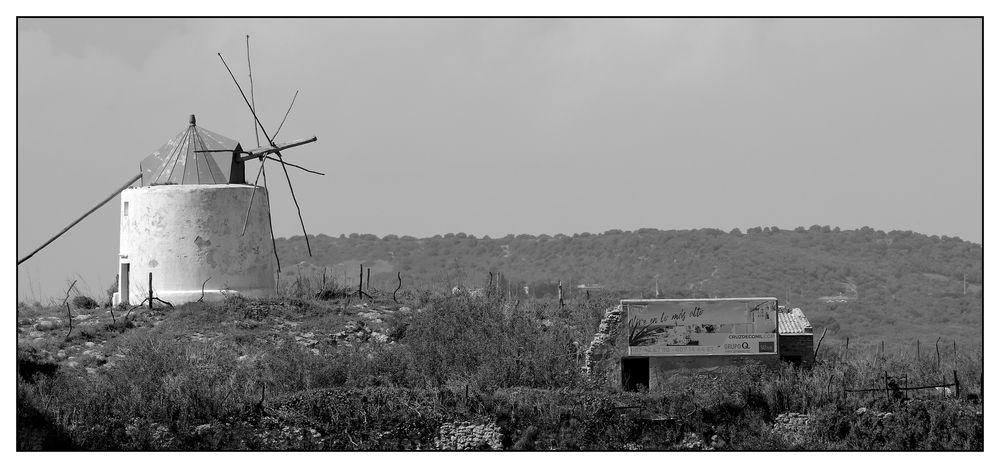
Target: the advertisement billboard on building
(702, 327)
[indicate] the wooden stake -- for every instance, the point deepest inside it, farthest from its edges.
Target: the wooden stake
(938, 353)
(202, 298)
(954, 347)
(69, 314)
(151, 290)
(816, 352)
(400, 277)
(368, 280)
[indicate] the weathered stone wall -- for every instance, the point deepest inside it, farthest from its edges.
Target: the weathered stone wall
(602, 359)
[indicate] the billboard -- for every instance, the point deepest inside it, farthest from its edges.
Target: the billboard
(702, 327)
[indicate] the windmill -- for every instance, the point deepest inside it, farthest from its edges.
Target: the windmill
(192, 225)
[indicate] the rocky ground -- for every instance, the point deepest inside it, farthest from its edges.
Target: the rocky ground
(464, 435)
(792, 427)
(84, 339)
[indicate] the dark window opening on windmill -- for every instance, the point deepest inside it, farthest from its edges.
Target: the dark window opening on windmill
(125, 209)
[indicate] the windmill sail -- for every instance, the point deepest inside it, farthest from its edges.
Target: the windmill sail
(181, 160)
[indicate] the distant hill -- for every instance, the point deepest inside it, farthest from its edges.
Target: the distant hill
(859, 283)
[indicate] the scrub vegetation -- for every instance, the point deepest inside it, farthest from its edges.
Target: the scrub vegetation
(314, 369)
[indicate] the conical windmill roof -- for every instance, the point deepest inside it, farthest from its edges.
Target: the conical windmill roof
(179, 161)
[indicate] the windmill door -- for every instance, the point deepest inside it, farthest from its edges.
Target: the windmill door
(124, 283)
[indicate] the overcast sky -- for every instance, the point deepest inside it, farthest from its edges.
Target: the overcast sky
(491, 127)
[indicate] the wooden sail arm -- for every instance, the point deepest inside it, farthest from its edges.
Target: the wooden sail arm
(264, 151)
(74, 223)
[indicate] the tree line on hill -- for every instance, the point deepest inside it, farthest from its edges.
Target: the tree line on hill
(860, 282)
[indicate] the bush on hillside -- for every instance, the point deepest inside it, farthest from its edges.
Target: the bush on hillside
(85, 302)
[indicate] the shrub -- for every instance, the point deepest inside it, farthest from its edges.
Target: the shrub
(473, 339)
(85, 302)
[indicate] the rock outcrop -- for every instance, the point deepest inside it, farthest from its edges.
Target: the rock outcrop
(793, 427)
(463, 435)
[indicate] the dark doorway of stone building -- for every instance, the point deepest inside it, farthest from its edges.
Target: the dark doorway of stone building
(635, 374)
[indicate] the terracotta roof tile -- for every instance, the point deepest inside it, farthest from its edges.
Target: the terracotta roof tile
(793, 322)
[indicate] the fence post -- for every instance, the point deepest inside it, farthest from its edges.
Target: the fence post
(400, 277)
(151, 290)
(937, 352)
(816, 352)
(958, 386)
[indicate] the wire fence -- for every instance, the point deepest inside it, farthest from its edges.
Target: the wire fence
(892, 389)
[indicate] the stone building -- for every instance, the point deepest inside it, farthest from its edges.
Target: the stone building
(795, 337)
(609, 360)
